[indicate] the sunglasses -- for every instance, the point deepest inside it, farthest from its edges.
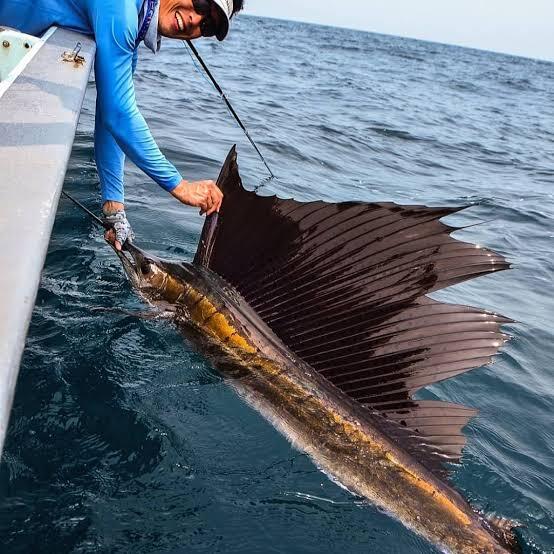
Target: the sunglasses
(209, 26)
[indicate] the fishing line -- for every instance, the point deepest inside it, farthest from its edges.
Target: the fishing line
(94, 218)
(227, 103)
(199, 69)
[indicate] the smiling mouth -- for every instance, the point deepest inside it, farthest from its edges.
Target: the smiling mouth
(180, 22)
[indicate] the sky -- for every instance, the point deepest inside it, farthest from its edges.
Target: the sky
(521, 27)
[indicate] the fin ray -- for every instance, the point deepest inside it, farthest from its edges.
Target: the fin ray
(345, 287)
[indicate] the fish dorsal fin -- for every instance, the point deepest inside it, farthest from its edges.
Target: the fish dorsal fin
(225, 181)
(344, 287)
(431, 430)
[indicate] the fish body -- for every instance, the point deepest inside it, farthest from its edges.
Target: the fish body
(344, 440)
(360, 445)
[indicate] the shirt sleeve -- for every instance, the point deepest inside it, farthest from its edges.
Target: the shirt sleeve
(110, 159)
(114, 23)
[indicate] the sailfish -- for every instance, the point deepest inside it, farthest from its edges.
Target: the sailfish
(318, 315)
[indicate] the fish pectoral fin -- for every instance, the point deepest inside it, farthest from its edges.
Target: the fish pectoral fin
(503, 522)
(504, 530)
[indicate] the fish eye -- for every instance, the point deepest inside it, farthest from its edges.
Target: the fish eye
(145, 267)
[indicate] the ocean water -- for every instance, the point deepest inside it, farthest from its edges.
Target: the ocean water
(123, 439)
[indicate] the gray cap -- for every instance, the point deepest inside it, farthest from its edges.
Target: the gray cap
(226, 11)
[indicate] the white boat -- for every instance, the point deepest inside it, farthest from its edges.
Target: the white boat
(42, 85)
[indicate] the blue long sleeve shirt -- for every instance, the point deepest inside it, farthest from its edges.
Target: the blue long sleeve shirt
(119, 128)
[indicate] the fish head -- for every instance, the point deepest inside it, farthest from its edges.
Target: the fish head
(145, 271)
(158, 281)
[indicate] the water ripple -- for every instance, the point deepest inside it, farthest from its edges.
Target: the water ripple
(123, 439)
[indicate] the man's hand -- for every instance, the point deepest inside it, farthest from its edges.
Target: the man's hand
(114, 215)
(200, 194)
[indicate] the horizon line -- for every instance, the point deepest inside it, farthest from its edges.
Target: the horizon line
(455, 44)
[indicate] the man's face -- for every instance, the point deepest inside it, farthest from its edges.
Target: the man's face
(179, 19)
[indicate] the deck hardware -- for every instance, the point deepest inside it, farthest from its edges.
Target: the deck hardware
(73, 56)
(6, 44)
(27, 45)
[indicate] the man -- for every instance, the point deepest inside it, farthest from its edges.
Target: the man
(118, 27)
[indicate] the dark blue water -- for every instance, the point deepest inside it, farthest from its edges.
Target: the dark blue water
(124, 440)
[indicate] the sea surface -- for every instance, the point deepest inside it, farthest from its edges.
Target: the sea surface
(124, 440)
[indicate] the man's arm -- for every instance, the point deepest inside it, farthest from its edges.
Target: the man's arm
(110, 159)
(115, 28)
(110, 162)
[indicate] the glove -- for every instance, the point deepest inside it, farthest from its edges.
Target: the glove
(122, 227)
